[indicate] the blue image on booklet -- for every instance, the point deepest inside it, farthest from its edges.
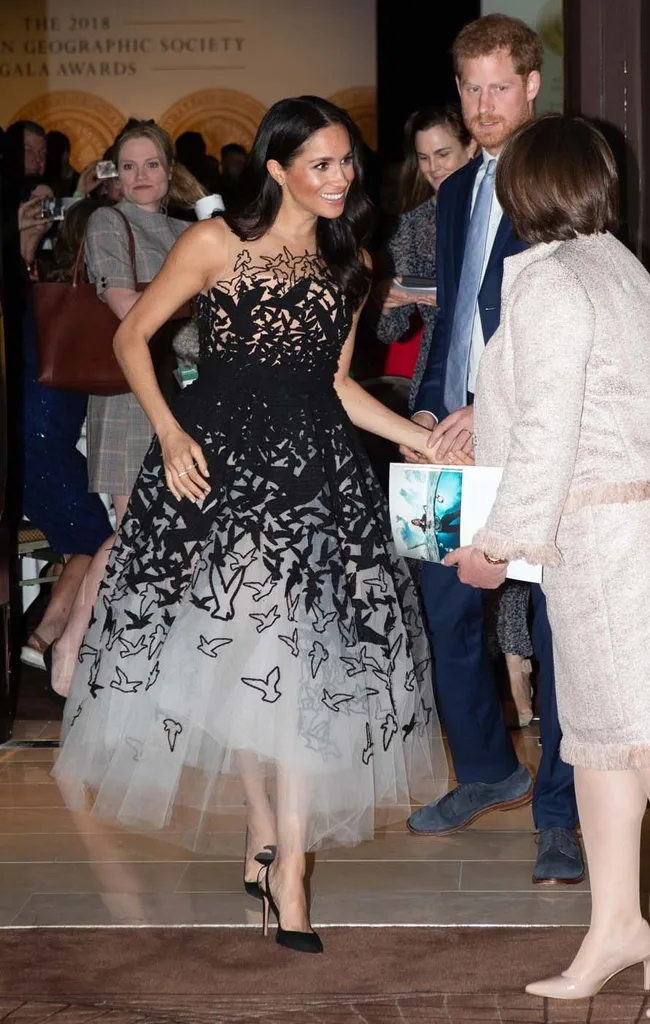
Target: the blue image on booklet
(428, 517)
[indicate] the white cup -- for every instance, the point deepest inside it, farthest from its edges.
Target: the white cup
(205, 207)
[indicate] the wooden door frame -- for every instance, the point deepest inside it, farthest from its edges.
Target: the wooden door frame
(607, 79)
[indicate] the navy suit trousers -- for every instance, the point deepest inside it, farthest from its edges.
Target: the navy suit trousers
(469, 703)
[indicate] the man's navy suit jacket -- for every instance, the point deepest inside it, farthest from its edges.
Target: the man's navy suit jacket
(453, 214)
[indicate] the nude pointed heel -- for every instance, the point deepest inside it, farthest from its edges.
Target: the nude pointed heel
(566, 987)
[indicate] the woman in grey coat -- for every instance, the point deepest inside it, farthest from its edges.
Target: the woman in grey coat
(562, 406)
(119, 433)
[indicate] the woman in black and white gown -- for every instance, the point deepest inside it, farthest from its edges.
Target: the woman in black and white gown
(255, 635)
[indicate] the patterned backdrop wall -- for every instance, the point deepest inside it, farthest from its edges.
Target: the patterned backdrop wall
(84, 67)
(90, 122)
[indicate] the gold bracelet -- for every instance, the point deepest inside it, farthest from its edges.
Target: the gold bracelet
(495, 561)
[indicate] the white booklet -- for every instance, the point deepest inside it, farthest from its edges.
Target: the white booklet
(436, 509)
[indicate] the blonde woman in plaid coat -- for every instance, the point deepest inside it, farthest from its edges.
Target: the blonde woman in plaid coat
(119, 433)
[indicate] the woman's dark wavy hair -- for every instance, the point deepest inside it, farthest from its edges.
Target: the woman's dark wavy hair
(284, 130)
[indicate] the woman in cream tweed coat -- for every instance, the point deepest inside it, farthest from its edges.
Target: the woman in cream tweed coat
(563, 404)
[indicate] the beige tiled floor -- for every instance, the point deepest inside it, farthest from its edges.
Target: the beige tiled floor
(50, 874)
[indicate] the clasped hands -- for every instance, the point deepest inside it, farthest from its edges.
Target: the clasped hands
(452, 442)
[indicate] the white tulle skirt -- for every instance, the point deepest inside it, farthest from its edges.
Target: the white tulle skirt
(239, 648)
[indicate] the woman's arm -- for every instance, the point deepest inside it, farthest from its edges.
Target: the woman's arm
(551, 322)
(121, 300)
(196, 258)
(109, 261)
(369, 414)
(395, 308)
(88, 180)
(551, 342)
(31, 228)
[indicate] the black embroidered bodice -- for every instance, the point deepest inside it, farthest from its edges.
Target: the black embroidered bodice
(277, 318)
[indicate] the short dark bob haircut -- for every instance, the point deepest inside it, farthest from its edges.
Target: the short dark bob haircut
(285, 128)
(557, 179)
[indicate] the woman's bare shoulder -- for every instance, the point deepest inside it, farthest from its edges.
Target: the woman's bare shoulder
(213, 233)
(208, 243)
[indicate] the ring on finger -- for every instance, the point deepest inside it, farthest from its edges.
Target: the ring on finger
(184, 473)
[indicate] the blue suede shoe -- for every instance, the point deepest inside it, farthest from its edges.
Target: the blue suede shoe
(559, 858)
(466, 803)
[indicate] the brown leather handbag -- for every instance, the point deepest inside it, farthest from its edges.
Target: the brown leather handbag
(75, 331)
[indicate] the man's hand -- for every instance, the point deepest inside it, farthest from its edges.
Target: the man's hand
(454, 433)
(425, 419)
(475, 570)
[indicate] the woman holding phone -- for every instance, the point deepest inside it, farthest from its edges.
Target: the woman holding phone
(436, 143)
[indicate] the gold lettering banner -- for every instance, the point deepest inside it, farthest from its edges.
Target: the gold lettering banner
(208, 65)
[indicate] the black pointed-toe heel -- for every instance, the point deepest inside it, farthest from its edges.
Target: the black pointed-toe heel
(300, 942)
(266, 858)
